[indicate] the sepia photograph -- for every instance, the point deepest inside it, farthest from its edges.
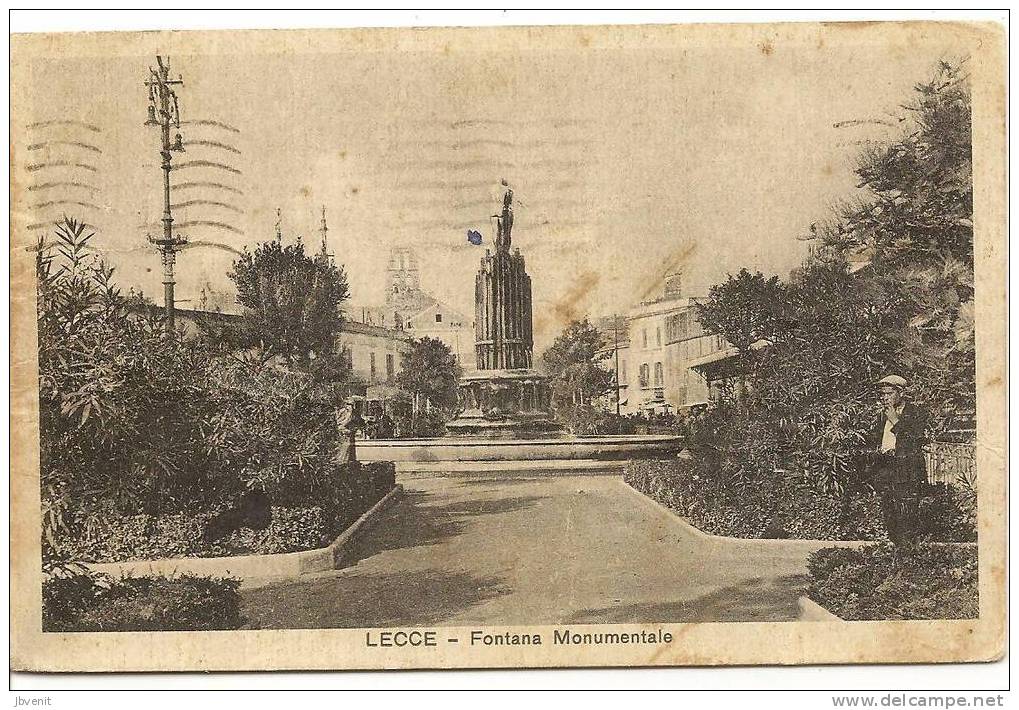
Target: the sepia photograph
(508, 347)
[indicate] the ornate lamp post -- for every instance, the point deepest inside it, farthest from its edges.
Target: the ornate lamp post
(164, 111)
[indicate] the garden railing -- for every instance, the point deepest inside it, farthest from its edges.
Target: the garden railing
(952, 463)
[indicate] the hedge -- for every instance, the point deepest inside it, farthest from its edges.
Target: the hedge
(932, 581)
(98, 602)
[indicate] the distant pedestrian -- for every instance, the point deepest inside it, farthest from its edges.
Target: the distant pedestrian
(385, 428)
(898, 469)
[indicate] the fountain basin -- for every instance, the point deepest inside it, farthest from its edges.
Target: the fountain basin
(559, 449)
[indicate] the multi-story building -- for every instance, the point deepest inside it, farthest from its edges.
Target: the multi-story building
(663, 337)
(375, 354)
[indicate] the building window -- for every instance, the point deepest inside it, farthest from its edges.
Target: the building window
(659, 378)
(371, 366)
(438, 317)
(644, 333)
(348, 355)
(676, 327)
(644, 372)
(389, 365)
(658, 336)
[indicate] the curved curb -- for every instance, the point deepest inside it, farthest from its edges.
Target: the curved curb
(245, 567)
(332, 557)
(812, 611)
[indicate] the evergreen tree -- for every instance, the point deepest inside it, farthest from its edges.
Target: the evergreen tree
(292, 302)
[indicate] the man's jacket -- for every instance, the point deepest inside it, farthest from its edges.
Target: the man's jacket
(906, 463)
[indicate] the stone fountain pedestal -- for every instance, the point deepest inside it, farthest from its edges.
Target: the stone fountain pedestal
(504, 404)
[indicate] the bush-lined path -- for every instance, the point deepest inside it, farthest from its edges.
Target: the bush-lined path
(555, 550)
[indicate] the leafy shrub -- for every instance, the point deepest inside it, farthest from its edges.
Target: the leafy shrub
(291, 301)
(96, 602)
(149, 438)
(141, 537)
(380, 477)
(612, 423)
(949, 512)
(580, 419)
(122, 403)
(273, 428)
(423, 425)
(591, 420)
(356, 489)
(878, 582)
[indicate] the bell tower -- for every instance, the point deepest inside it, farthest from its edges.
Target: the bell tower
(402, 273)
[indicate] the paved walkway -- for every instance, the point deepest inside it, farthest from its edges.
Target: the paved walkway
(574, 549)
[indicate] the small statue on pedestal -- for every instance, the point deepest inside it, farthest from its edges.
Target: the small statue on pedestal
(348, 420)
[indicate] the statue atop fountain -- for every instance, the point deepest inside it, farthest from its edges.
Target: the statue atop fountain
(505, 397)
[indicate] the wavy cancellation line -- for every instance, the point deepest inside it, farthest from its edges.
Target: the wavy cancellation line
(53, 223)
(205, 164)
(213, 245)
(51, 203)
(207, 122)
(213, 144)
(59, 164)
(74, 144)
(206, 183)
(197, 223)
(63, 183)
(64, 122)
(212, 203)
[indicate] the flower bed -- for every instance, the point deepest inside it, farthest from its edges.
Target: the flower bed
(876, 582)
(98, 602)
(780, 507)
(765, 510)
(297, 523)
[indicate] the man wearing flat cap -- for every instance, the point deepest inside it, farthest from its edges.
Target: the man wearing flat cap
(898, 472)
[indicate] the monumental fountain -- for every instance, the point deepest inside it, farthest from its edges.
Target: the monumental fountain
(505, 397)
(506, 420)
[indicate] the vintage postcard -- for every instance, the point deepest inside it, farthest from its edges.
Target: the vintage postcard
(508, 347)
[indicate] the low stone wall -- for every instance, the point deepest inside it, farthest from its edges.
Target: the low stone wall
(619, 447)
(509, 469)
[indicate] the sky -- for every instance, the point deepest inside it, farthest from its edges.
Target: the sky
(626, 159)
